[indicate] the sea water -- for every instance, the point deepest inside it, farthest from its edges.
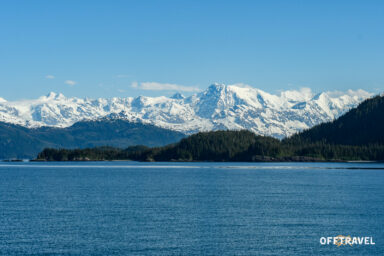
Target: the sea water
(130, 208)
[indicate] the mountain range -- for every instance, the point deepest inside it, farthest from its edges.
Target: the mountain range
(356, 135)
(219, 107)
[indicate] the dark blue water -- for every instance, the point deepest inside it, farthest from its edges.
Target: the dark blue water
(122, 208)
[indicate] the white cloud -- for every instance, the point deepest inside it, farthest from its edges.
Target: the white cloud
(352, 93)
(303, 94)
(154, 86)
(70, 82)
(241, 85)
(49, 77)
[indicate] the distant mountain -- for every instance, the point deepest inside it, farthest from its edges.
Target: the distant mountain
(219, 107)
(363, 125)
(20, 142)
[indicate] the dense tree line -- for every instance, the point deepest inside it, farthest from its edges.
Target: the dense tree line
(224, 146)
(95, 154)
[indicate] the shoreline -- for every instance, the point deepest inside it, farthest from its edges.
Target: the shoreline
(196, 161)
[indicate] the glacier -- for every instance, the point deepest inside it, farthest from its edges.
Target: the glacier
(219, 107)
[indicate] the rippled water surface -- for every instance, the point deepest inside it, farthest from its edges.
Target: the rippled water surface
(128, 208)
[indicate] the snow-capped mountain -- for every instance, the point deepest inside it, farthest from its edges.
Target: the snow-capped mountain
(218, 107)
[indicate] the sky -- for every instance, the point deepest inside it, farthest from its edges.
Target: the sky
(129, 48)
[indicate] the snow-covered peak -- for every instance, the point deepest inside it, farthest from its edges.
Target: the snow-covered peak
(214, 90)
(220, 106)
(217, 87)
(177, 96)
(52, 96)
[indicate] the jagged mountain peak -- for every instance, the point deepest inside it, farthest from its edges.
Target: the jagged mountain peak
(177, 96)
(321, 95)
(53, 96)
(214, 90)
(217, 87)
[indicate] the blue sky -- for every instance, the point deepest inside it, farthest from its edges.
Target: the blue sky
(125, 48)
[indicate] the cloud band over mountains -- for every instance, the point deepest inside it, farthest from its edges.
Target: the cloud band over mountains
(155, 86)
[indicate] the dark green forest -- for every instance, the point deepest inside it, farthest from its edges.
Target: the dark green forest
(223, 146)
(357, 135)
(360, 126)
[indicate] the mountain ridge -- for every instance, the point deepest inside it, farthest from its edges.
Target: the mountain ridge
(20, 142)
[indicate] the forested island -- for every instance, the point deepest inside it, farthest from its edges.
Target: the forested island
(357, 135)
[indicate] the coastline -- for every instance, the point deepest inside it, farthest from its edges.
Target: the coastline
(197, 161)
